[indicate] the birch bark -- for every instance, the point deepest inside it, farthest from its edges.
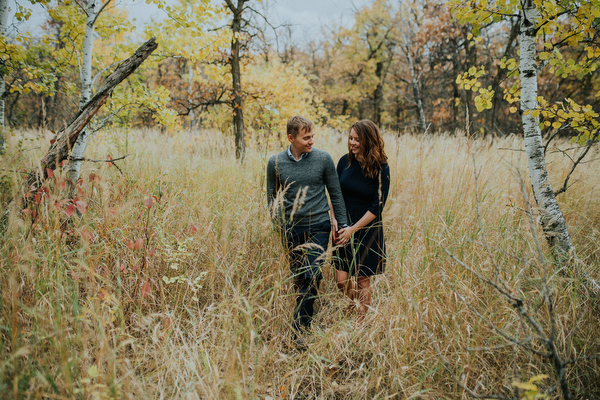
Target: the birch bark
(3, 27)
(552, 219)
(414, 79)
(86, 89)
(416, 91)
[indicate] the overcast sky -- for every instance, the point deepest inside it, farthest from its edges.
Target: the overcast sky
(306, 16)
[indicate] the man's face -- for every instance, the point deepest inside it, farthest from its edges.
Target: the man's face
(303, 141)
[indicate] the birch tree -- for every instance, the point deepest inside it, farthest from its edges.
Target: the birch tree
(407, 32)
(92, 12)
(554, 26)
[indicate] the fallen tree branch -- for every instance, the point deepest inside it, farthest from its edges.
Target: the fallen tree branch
(108, 160)
(60, 149)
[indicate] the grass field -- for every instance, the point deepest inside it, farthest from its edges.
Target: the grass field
(188, 295)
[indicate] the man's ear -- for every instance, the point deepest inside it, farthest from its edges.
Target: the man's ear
(290, 138)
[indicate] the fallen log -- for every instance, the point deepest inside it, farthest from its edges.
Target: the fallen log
(66, 138)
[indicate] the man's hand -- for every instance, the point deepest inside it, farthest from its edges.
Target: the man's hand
(334, 226)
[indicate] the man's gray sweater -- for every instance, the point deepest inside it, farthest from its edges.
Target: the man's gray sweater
(296, 189)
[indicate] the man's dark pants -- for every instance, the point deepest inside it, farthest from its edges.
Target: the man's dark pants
(306, 245)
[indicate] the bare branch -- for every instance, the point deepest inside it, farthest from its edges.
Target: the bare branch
(96, 161)
(575, 164)
(82, 7)
(100, 11)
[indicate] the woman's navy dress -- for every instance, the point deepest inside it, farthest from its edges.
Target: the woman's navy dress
(365, 254)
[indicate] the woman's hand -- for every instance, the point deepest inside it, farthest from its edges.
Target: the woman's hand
(344, 235)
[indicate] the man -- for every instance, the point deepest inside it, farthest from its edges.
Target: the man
(296, 182)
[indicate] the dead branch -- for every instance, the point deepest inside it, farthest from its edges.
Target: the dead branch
(67, 137)
(575, 164)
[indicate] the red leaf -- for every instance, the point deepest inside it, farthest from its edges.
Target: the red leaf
(38, 197)
(69, 210)
(80, 191)
(108, 157)
(139, 243)
(151, 252)
(92, 177)
(131, 245)
(148, 202)
(122, 267)
(112, 210)
(194, 229)
(167, 322)
(146, 289)
(81, 206)
(52, 141)
(50, 173)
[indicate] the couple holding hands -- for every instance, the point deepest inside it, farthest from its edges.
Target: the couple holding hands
(297, 180)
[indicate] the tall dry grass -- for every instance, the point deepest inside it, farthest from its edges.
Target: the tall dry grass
(189, 296)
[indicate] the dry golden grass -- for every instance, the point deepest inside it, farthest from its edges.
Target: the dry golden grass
(190, 298)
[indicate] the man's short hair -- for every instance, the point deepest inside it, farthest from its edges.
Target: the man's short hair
(298, 123)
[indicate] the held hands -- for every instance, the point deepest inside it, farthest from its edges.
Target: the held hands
(342, 236)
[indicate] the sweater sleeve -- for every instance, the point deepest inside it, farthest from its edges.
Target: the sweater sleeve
(332, 182)
(340, 166)
(381, 195)
(271, 181)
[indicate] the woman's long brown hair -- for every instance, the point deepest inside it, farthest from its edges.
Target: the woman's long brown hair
(373, 155)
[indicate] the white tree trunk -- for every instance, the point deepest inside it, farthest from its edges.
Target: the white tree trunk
(408, 39)
(3, 27)
(416, 91)
(552, 220)
(86, 89)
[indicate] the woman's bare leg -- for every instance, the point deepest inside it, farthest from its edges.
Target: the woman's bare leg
(364, 296)
(346, 285)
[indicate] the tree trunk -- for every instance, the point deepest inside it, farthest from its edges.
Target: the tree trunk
(66, 138)
(3, 26)
(237, 102)
(499, 78)
(192, 114)
(86, 90)
(552, 220)
(416, 91)
(378, 93)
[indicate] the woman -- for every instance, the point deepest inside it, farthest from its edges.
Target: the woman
(365, 181)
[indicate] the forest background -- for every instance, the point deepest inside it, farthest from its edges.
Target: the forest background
(146, 265)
